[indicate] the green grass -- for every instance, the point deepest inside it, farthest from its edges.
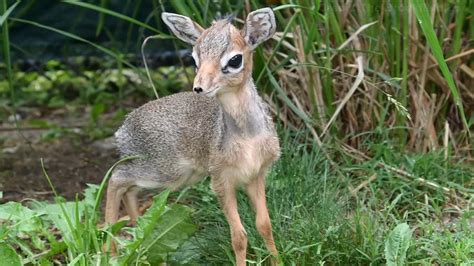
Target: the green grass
(317, 220)
(344, 199)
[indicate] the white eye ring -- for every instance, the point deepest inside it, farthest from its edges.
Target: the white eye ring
(196, 58)
(225, 60)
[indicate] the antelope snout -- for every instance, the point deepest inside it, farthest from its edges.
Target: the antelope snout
(206, 81)
(207, 87)
(209, 92)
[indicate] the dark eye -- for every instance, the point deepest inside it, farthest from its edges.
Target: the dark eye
(235, 61)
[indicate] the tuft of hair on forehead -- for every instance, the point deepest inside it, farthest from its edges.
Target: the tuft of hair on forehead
(223, 20)
(215, 40)
(226, 18)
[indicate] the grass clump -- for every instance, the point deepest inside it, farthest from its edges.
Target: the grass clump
(317, 218)
(337, 211)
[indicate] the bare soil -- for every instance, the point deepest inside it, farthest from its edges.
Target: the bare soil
(71, 161)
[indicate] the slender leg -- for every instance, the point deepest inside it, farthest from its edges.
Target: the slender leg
(256, 192)
(131, 204)
(227, 197)
(115, 191)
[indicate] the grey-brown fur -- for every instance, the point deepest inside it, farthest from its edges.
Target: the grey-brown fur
(216, 40)
(224, 130)
(183, 126)
(165, 131)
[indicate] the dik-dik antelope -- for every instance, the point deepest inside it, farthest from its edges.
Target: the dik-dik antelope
(223, 129)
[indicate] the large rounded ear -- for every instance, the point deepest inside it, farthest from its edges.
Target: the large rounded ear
(259, 26)
(183, 27)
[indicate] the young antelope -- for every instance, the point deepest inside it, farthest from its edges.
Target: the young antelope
(222, 129)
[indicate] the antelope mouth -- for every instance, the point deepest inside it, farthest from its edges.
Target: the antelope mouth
(212, 92)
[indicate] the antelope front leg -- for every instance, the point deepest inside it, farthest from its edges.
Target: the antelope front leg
(226, 193)
(256, 192)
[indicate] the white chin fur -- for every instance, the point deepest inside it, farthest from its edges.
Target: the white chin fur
(212, 93)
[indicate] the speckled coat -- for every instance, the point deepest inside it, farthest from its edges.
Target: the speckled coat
(186, 137)
(224, 130)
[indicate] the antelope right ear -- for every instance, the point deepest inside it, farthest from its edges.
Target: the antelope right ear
(183, 27)
(259, 26)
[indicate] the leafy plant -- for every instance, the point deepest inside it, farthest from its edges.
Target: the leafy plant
(8, 255)
(397, 244)
(160, 231)
(70, 231)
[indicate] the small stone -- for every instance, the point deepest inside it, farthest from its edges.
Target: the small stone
(10, 150)
(13, 118)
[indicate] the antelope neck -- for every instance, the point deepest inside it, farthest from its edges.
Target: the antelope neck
(242, 110)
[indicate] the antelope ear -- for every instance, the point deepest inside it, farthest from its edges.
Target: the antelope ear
(183, 27)
(259, 26)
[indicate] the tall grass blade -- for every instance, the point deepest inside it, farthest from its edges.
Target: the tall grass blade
(461, 7)
(6, 14)
(65, 213)
(423, 17)
(277, 46)
(112, 13)
(109, 52)
(146, 64)
(357, 82)
(100, 23)
(103, 184)
(402, 133)
(301, 114)
(6, 47)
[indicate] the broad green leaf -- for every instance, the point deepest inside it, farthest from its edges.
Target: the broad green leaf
(59, 214)
(3, 231)
(170, 231)
(145, 225)
(90, 194)
(23, 218)
(159, 232)
(8, 255)
(396, 245)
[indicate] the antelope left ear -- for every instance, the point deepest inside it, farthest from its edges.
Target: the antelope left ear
(259, 26)
(183, 27)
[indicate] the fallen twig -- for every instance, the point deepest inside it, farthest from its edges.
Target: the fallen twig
(353, 151)
(363, 184)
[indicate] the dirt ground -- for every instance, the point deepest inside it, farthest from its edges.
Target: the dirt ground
(70, 161)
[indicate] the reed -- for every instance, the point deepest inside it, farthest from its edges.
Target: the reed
(415, 66)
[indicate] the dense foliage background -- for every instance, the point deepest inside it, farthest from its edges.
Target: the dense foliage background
(374, 102)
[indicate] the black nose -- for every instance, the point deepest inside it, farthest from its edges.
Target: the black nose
(197, 89)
